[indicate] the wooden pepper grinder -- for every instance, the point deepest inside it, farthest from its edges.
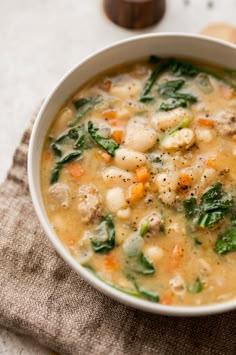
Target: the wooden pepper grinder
(135, 14)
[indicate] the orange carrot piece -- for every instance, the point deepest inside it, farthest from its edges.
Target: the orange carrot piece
(136, 192)
(117, 135)
(115, 122)
(110, 262)
(167, 299)
(205, 122)
(210, 163)
(75, 170)
(185, 181)
(142, 174)
(110, 113)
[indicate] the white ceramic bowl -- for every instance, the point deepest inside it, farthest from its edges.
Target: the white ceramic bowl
(169, 44)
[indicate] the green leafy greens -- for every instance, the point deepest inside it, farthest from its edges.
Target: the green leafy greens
(177, 68)
(170, 89)
(226, 242)
(84, 106)
(150, 295)
(214, 205)
(104, 238)
(59, 165)
(107, 144)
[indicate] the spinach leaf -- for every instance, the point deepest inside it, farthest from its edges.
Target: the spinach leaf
(190, 207)
(214, 205)
(170, 86)
(150, 295)
(179, 126)
(59, 165)
(153, 77)
(196, 287)
(84, 105)
(172, 104)
(140, 265)
(183, 96)
(77, 135)
(226, 242)
(56, 150)
(104, 239)
(124, 290)
(107, 144)
(181, 68)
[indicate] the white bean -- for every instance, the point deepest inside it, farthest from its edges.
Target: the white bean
(164, 120)
(115, 199)
(139, 135)
(183, 138)
(166, 184)
(128, 159)
(116, 176)
(128, 90)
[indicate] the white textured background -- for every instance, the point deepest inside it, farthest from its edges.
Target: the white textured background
(39, 41)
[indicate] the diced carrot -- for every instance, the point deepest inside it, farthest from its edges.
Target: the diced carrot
(210, 163)
(117, 136)
(167, 299)
(106, 85)
(75, 170)
(176, 256)
(205, 122)
(47, 155)
(110, 262)
(226, 92)
(185, 181)
(110, 113)
(142, 174)
(106, 157)
(234, 137)
(115, 123)
(136, 192)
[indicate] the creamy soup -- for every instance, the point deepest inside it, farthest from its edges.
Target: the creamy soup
(138, 179)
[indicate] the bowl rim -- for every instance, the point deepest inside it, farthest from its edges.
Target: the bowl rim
(144, 305)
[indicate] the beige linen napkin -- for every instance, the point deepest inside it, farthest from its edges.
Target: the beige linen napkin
(41, 296)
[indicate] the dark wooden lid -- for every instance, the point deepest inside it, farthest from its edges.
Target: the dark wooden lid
(135, 14)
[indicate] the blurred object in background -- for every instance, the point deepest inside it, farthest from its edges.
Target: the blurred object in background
(135, 14)
(221, 31)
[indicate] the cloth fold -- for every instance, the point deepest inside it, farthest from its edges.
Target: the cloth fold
(41, 296)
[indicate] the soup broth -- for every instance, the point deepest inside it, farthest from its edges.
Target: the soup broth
(138, 179)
